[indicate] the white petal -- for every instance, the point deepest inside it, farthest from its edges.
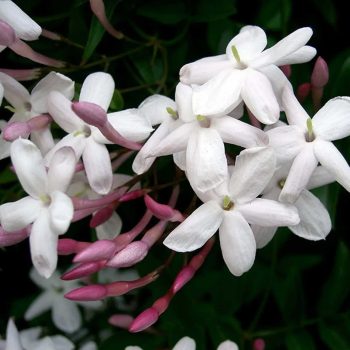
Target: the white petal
(61, 169)
(315, 223)
(131, 124)
(60, 109)
(133, 348)
(206, 162)
(239, 133)
(332, 121)
(51, 82)
(228, 345)
(12, 337)
(295, 113)
(237, 243)
(43, 245)
(17, 215)
(43, 139)
(61, 212)
(65, 315)
(220, 95)
(185, 343)
(304, 54)
(180, 160)
(258, 95)
(320, 177)
(40, 305)
(285, 47)
(98, 88)
(154, 108)
(183, 98)
(28, 336)
(61, 343)
(111, 228)
(89, 346)
(23, 25)
(200, 71)
(263, 235)
(299, 175)
(98, 166)
(194, 232)
(4, 148)
(328, 155)
(267, 212)
(43, 344)
(249, 43)
(253, 170)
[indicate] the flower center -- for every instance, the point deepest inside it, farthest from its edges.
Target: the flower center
(86, 132)
(45, 199)
(227, 203)
(237, 57)
(203, 121)
(173, 114)
(310, 136)
(281, 183)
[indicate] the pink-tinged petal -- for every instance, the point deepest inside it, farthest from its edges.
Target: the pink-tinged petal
(60, 110)
(29, 166)
(228, 345)
(332, 121)
(176, 141)
(315, 223)
(329, 157)
(66, 315)
(43, 245)
(61, 212)
(263, 235)
(51, 82)
(17, 215)
(180, 160)
(7, 34)
(220, 95)
(13, 341)
(154, 108)
(253, 170)
(131, 124)
(40, 305)
(183, 98)
(269, 213)
(23, 25)
(237, 243)
(238, 133)
(299, 175)
(192, 233)
(98, 88)
(15, 93)
(295, 113)
(97, 166)
(111, 228)
(287, 141)
(61, 169)
(258, 95)
(185, 343)
(249, 43)
(304, 54)
(285, 47)
(201, 71)
(206, 163)
(320, 177)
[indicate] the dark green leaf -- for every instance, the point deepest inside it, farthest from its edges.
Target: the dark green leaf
(327, 10)
(274, 15)
(117, 102)
(208, 10)
(333, 337)
(301, 340)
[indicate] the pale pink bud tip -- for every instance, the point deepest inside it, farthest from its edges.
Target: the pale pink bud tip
(7, 34)
(130, 255)
(88, 293)
(162, 211)
(99, 250)
(182, 278)
(82, 271)
(259, 344)
(320, 73)
(90, 113)
(131, 195)
(121, 320)
(66, 246)
(13, 131)
(303, 91)
(146, 319)
(287, 70)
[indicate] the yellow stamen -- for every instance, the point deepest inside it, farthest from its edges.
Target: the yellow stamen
(235, 53)
(172, 113)
(227, 203)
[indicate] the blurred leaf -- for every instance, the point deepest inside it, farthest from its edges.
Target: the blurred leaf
(150, 70)
(299, 262)
(117, 102)
(209, 10)
(327, 10)
(220, 32)
(274, 15)
(7, 176)
(301, 340)
(334, 337)
(337, 287)
(339, 69)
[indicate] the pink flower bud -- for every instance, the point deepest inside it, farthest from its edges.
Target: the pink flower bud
(22, 74)
(303, 91)
(101, 216)
(182, 278)
(129, 196)
(130, 255)
(121, 320)
(83, 270)
(14, 130)
(90, 113)
(162, 303)
(11, 238)
(99, 250)
(162, 211)
(7, 34)
(259, 344)
(146, 319)
(50, 35)
(67, 246)
(320, 73)
(87, 293)
(287, 70)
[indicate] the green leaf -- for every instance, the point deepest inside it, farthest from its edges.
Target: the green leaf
(274, 15)
(220, 32)
(339, 72)
(209, 10)
(327, 10)
(117, 102)
(301, 340)
(334, 337)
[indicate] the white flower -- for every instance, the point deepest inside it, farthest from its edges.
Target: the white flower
(231, 207)
(307, 141)
(47, 206)
(246, 73)
(65, 313)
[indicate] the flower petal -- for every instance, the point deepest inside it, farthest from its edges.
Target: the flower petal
(111, 228)
(61, 343)
(267, 212)
(185, 343)
(263, 235)
(328, 155)
(192, 233)
(237, 243)
(97, 166)
(43, 139)
(65, 315)
(228, 345)
(17, 215)
(320, 177)
(206, 162)
(61, 212)
(253, 170)
(183, 98)
(315, 223)
(29, 166)
(332, 121)
(12, 337)
(98, 88)
(40, 305)
(304, 54)
(180, 160)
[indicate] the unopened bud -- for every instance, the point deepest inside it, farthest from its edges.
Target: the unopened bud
(303, 91)
(162, 211)
(7, 34)
(146, 319)
(320, 73)
(121, 320)
(87, 293)
(90, 113)
(99, 250)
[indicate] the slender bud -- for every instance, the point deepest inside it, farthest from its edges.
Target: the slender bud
(101, 216)
(83, 270)
(90, 113)
(146, 319)
(14, 130)
(99, 250)
(22, 74)
(67, 246)
(184, 276)
(121, 320)
(7, 34)
(11, 238)
(163, 211)
(129, 196)
(87, 293)
(320, 73)
(287, 70)
(303, 91)
(259, 344)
